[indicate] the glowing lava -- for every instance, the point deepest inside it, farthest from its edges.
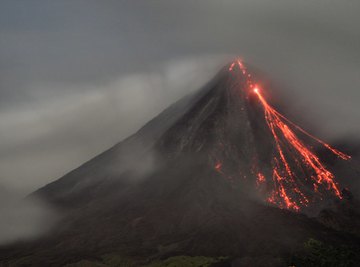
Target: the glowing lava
(260, 179)
(218, 166)
(295, 167)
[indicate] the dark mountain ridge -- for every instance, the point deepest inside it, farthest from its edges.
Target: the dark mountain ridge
(189, 182)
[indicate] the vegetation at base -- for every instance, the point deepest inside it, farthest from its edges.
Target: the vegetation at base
(313, 254)
(113, 260)
(318, 254)
(186, 261)
(86, 263)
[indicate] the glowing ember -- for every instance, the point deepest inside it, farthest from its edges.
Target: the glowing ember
(260, 179)
(218, 166)
(294, 164)
(231, 66)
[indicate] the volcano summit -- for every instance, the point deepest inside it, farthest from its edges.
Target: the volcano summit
(219, 173)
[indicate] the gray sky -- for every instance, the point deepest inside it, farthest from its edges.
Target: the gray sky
(78, 76)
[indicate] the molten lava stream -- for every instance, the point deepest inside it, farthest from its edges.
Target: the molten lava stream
(287, 186)
(291, 196)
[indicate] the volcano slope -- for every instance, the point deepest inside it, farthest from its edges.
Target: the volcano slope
(218, 173)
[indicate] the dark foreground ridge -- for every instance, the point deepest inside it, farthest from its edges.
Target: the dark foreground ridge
(220, 173)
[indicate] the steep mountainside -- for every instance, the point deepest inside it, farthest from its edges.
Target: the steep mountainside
(219, 173)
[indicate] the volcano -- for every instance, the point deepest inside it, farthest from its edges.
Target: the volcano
(221, 172)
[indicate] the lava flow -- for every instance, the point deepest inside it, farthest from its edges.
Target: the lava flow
(295, 167)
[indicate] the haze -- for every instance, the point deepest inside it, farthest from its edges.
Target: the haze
(77, 77)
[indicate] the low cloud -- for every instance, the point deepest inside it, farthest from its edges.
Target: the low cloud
(78, 77)
(41, 142)
(22, 219)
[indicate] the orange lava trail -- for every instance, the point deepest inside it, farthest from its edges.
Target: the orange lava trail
(335, 151)
(288, 190)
